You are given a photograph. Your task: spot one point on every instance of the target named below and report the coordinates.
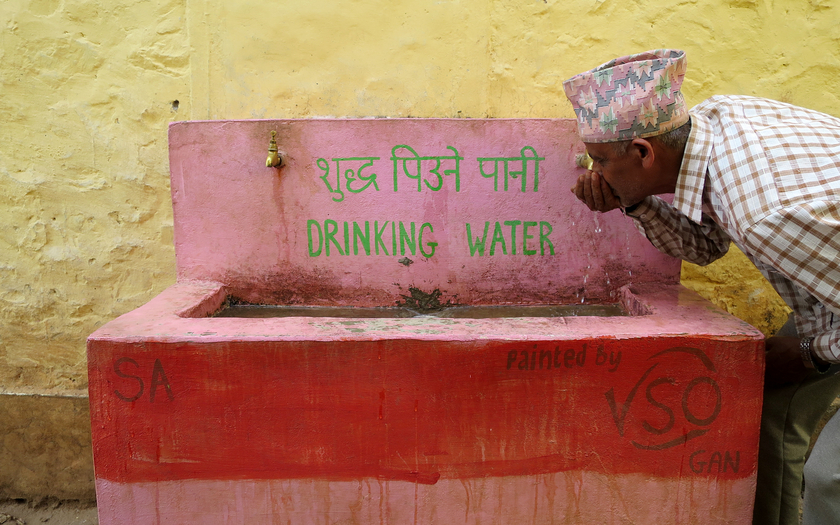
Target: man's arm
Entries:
(818, 327)
(813, 318)
(667, 229)
(673, 233)
(798, 250)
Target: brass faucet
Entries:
(584, 160)
(274, 160)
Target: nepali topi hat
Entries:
(629, 97)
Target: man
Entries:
(759, 173)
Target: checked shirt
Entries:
(766, 176)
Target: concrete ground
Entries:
(19, 512)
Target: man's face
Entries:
(623, 172)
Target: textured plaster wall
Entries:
(85, 97)
(87, 89)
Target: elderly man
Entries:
(766, 176)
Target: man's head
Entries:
(633, 119)
(640, 167)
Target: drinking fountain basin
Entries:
(401, 312)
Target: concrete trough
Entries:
(413, 321)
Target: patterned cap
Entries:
(629, 97)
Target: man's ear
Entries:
(643, 150)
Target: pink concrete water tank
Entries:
(414, 321)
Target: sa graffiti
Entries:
(133, 388)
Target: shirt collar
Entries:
(688, 196)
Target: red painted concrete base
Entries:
(641, 419)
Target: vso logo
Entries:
(675, 400)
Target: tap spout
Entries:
(274, 159)
(584, 160)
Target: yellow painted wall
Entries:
(87, 89)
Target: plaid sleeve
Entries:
(826, 346)
(812, 317)
(673, 233)
(802, 244)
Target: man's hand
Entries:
(594, 191)
(784, 363)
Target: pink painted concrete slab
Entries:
(256, 229)
(647, 417)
